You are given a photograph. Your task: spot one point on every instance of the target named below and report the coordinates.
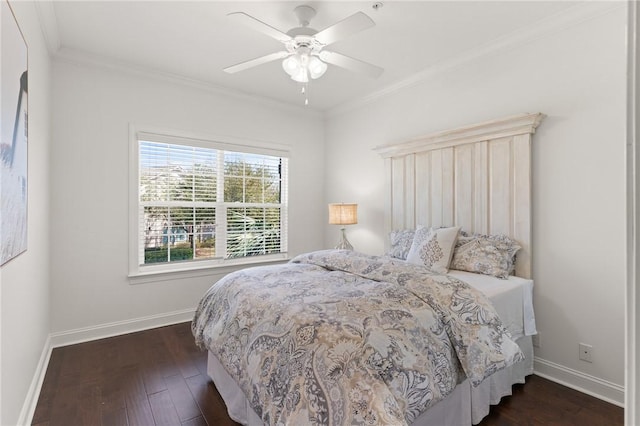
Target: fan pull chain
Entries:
(304, 91)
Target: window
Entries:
(201, 204)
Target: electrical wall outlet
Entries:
(585, 352)
(535, 340)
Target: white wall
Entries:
(93, 107)
(25, 280)
(576, 76)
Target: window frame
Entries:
(169, 270)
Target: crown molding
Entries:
(563, 20)
(560, 21)
(82, 58)
(49, 25)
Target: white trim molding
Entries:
(585, 383)
(117, 328)
(85, 59)
(632, 372)
(49, 25)
(575, 15)
(31, 400)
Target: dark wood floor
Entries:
(158, 377)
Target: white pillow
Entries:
(433, 248)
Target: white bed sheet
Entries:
(512, 298)
(467, 405)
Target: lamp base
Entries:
(344, 244)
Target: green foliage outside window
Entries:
(180, 204)
(252, 231)
(251, 183)
(161, 254)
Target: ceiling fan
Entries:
(304, 56)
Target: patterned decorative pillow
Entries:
(485, 254)
(433, 248)
(401, 241)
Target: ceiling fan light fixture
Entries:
(302, 66)
(291, 65)
(296, 70)
(302, 76)
(316, 67)
(304, 58)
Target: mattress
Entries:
(467, 405)
(512, 298)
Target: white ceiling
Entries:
(197, 40)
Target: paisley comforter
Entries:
(338, 337)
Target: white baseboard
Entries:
(585, 383)
(86, 334)
(31, 400)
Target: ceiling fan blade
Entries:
(257, 61)
(351, 64)
(348, 26)
(258, 25)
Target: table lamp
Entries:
(343, 214)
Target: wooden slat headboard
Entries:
(477, 177)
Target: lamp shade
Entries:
(343, 214)
(316, 67)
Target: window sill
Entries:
(192, 271)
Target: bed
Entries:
(375, 339)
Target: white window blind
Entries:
(206, 204)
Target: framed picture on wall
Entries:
(13, 130)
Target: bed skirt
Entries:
(465, 406)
